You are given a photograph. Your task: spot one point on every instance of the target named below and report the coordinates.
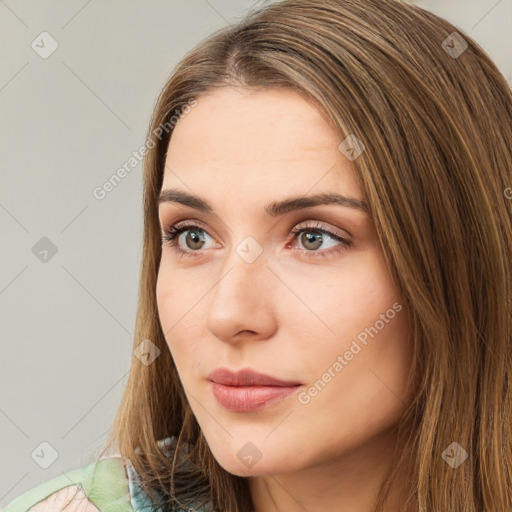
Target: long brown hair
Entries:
(435, 118)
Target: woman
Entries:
(325, 307)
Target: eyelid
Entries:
(317, 225)
(172, 233)
(189, 223)
(309, 224)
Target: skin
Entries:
(291, 312)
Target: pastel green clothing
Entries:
(106, 485)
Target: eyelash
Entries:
(171, 236)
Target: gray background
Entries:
(68, 122)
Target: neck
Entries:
(347, 482)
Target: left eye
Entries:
(311, 237)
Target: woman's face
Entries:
(298, 292)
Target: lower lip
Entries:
(249, 398)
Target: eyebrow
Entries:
(274, 209)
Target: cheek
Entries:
(342, 302)
(178, 293)
(355, 314)
(176, 299)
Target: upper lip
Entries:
(247, 377)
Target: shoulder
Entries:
(106, 485)
(100, 486)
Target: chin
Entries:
(248, 460)
(235, 467)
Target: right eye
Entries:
(194, 239)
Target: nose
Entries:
(241, 305)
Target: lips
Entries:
(247, 377)
(248, 390)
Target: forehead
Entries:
(256, 139)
